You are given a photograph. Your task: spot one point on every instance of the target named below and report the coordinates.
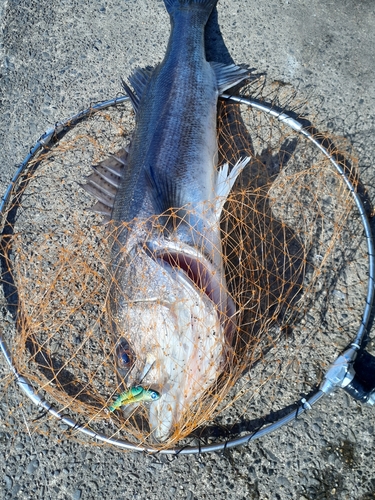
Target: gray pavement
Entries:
(56, 58)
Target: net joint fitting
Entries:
(341, 374)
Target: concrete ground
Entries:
(56, 58)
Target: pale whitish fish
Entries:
(168, 301)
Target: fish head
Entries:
(170, 339)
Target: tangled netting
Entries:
(295, 267)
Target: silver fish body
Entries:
(173, 149)
(168, 299)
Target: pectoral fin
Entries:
(164, 191)
(225, 182)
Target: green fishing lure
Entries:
(136, 394)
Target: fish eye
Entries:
(124, 355)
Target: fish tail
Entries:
(204, 6)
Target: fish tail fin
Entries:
(205, 6)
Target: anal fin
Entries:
(228, 76)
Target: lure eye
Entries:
(154, 395)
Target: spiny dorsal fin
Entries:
(138, 80)
(228, 76)
(105, 180)
(111, 169)
(100, 193)
(101, 209)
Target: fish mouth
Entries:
(201, 271)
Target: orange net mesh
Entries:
(295, 267)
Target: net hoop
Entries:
(304, 404)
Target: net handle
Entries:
(304, 404)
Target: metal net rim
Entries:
(304, 404)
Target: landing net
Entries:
(296, 268)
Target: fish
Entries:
(170, 312)
(133, 395)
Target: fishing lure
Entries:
(136, 394)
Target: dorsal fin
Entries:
(138, 80)
(133, 98)
(101, 209)
(105, 180)
(99, 193)
(111, 169)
